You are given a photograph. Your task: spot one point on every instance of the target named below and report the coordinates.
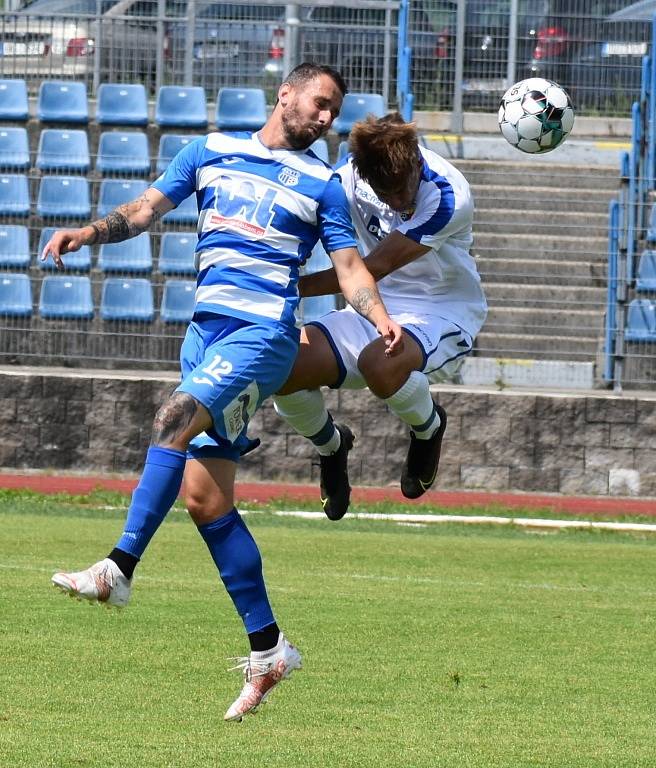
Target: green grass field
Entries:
(454, 646)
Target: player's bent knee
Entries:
(204, 508)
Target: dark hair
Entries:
(308, 71)
(385, 150)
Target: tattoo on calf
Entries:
(173, 418)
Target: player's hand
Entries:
(63, 241)
(392, 333)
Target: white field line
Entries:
(523, 522)
(418, 520)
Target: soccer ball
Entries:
(535, 115)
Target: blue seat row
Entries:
(70, 297)
(641, 321)
(68, 150)
(646, 278)
(68, 197)
(65, 101)
(176, 252)
(237, 109)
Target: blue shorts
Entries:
(231, 366)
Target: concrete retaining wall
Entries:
(580, 443)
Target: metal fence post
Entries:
(292, 22)
(96, 49)
(456, 115)
(159, 60)
(189, 43)
(512, 44)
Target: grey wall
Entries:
(597, 444)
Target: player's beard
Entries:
(297, 132)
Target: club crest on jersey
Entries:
(289, 177)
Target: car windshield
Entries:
(69, 6)
(237, 11)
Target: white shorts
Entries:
(444, 345)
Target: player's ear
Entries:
(283, 94)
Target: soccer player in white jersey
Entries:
(263, 202)
(412, 212)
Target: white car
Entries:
(58, 39)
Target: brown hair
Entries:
(385, 150)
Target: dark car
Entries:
(598, 60)
(231, 43)
(362, 42)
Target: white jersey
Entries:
(444, 281)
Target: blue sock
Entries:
(151, 500)
(237, 557)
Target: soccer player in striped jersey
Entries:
(413, 212)
(263, 202)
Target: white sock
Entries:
(305, 412)
(414, 405)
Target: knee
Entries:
(205, 507)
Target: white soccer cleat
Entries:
(262, 672)
(101, 583)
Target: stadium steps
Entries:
(538, 174)
(550, 247)
(572, 223)
(543, 296)
(541, 247)
(520, 346)
(539, 198)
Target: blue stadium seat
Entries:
(14, 195)
(66, 296)
(79, 261)
(62, 101)
(115, 192)
(133, 255)
(123, 152)
(651, 231)
(64, 197)
(63, 151)
(320, 149)
(342, 150)
(176, 253)
(14, 246)
(13, 100)
(355, 107)
(181, 107)
(14, 149)
(185, 213)
(178, 300)
(240, 109)
(121, 104)
(641, 321)
(169, 146)
(646, 280)
(127, 299)
(15, 295)
(315, 306)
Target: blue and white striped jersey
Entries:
(444, 281)
(261, 211)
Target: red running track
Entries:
(264, 492)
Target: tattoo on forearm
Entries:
(173, 418)
(364, 300)
(117, 226)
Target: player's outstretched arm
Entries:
(126, 221)
(395, 251)
(359, 289)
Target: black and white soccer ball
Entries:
(536, 115)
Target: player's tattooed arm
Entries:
(128, 220)
(363, 300)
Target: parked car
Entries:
(58, 39)
(231, 43)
